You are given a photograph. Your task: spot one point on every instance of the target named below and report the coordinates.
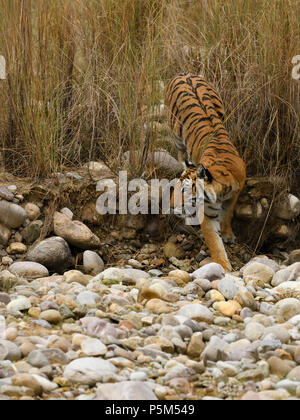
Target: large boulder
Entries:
(54, 253)
(29, 270)
(74, 232)
(12, 215)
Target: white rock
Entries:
(254, 331)
(45, 383)
(93, 347)
(138, 376)
(20, 304)
(67, 212)
(121, 274)
(126, 391)
(89, 370)
(29, 270)
(197, 312)
(280, 277)
(87, 298)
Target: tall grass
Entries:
(83, 77)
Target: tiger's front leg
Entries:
(211, 229)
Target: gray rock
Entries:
(281, 277)
(12, 215)
(209, 272)
(294, 374)
(126, 391)
(87, 298)
(53, 253)
(279, 333)
(4, 298)
(6, 194)
(228, 288)
(240, 350)
(9, 351)
(92, 263)
(204, 284)
(29, 270)
(164, 161)
(32, 232)
(88, 371)
(37, 359)
(254, 331)
(96, 327)
(55, 356)
(215, 350)
(290, 386)
(197, 312)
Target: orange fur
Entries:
(196, 116)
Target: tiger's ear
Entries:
(204, 173)
(189, 164)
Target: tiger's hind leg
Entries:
(226, 219)
(211, 229)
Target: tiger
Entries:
(196, 115)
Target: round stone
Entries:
(92, 263)
(33, 211)
(19, 304)
(29, 270)
(52, 316)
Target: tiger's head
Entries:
(192, 191)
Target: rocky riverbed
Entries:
(151, 325)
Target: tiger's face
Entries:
(193, 190)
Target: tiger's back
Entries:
(196, 117)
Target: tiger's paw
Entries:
(229, 239)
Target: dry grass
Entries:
(83, 77)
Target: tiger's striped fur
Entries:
(196, 116)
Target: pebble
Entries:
(53, 253)
(126, 391)
(29, 270)
(131, 333)
(88, 371)
(93, 263)
(258, 273)
(93, 347)
(19, 304)
(52, 316)
(12, 215)
(228, 288)
(209, 272)
(33, 211)
(229, 308)
(197, 312)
